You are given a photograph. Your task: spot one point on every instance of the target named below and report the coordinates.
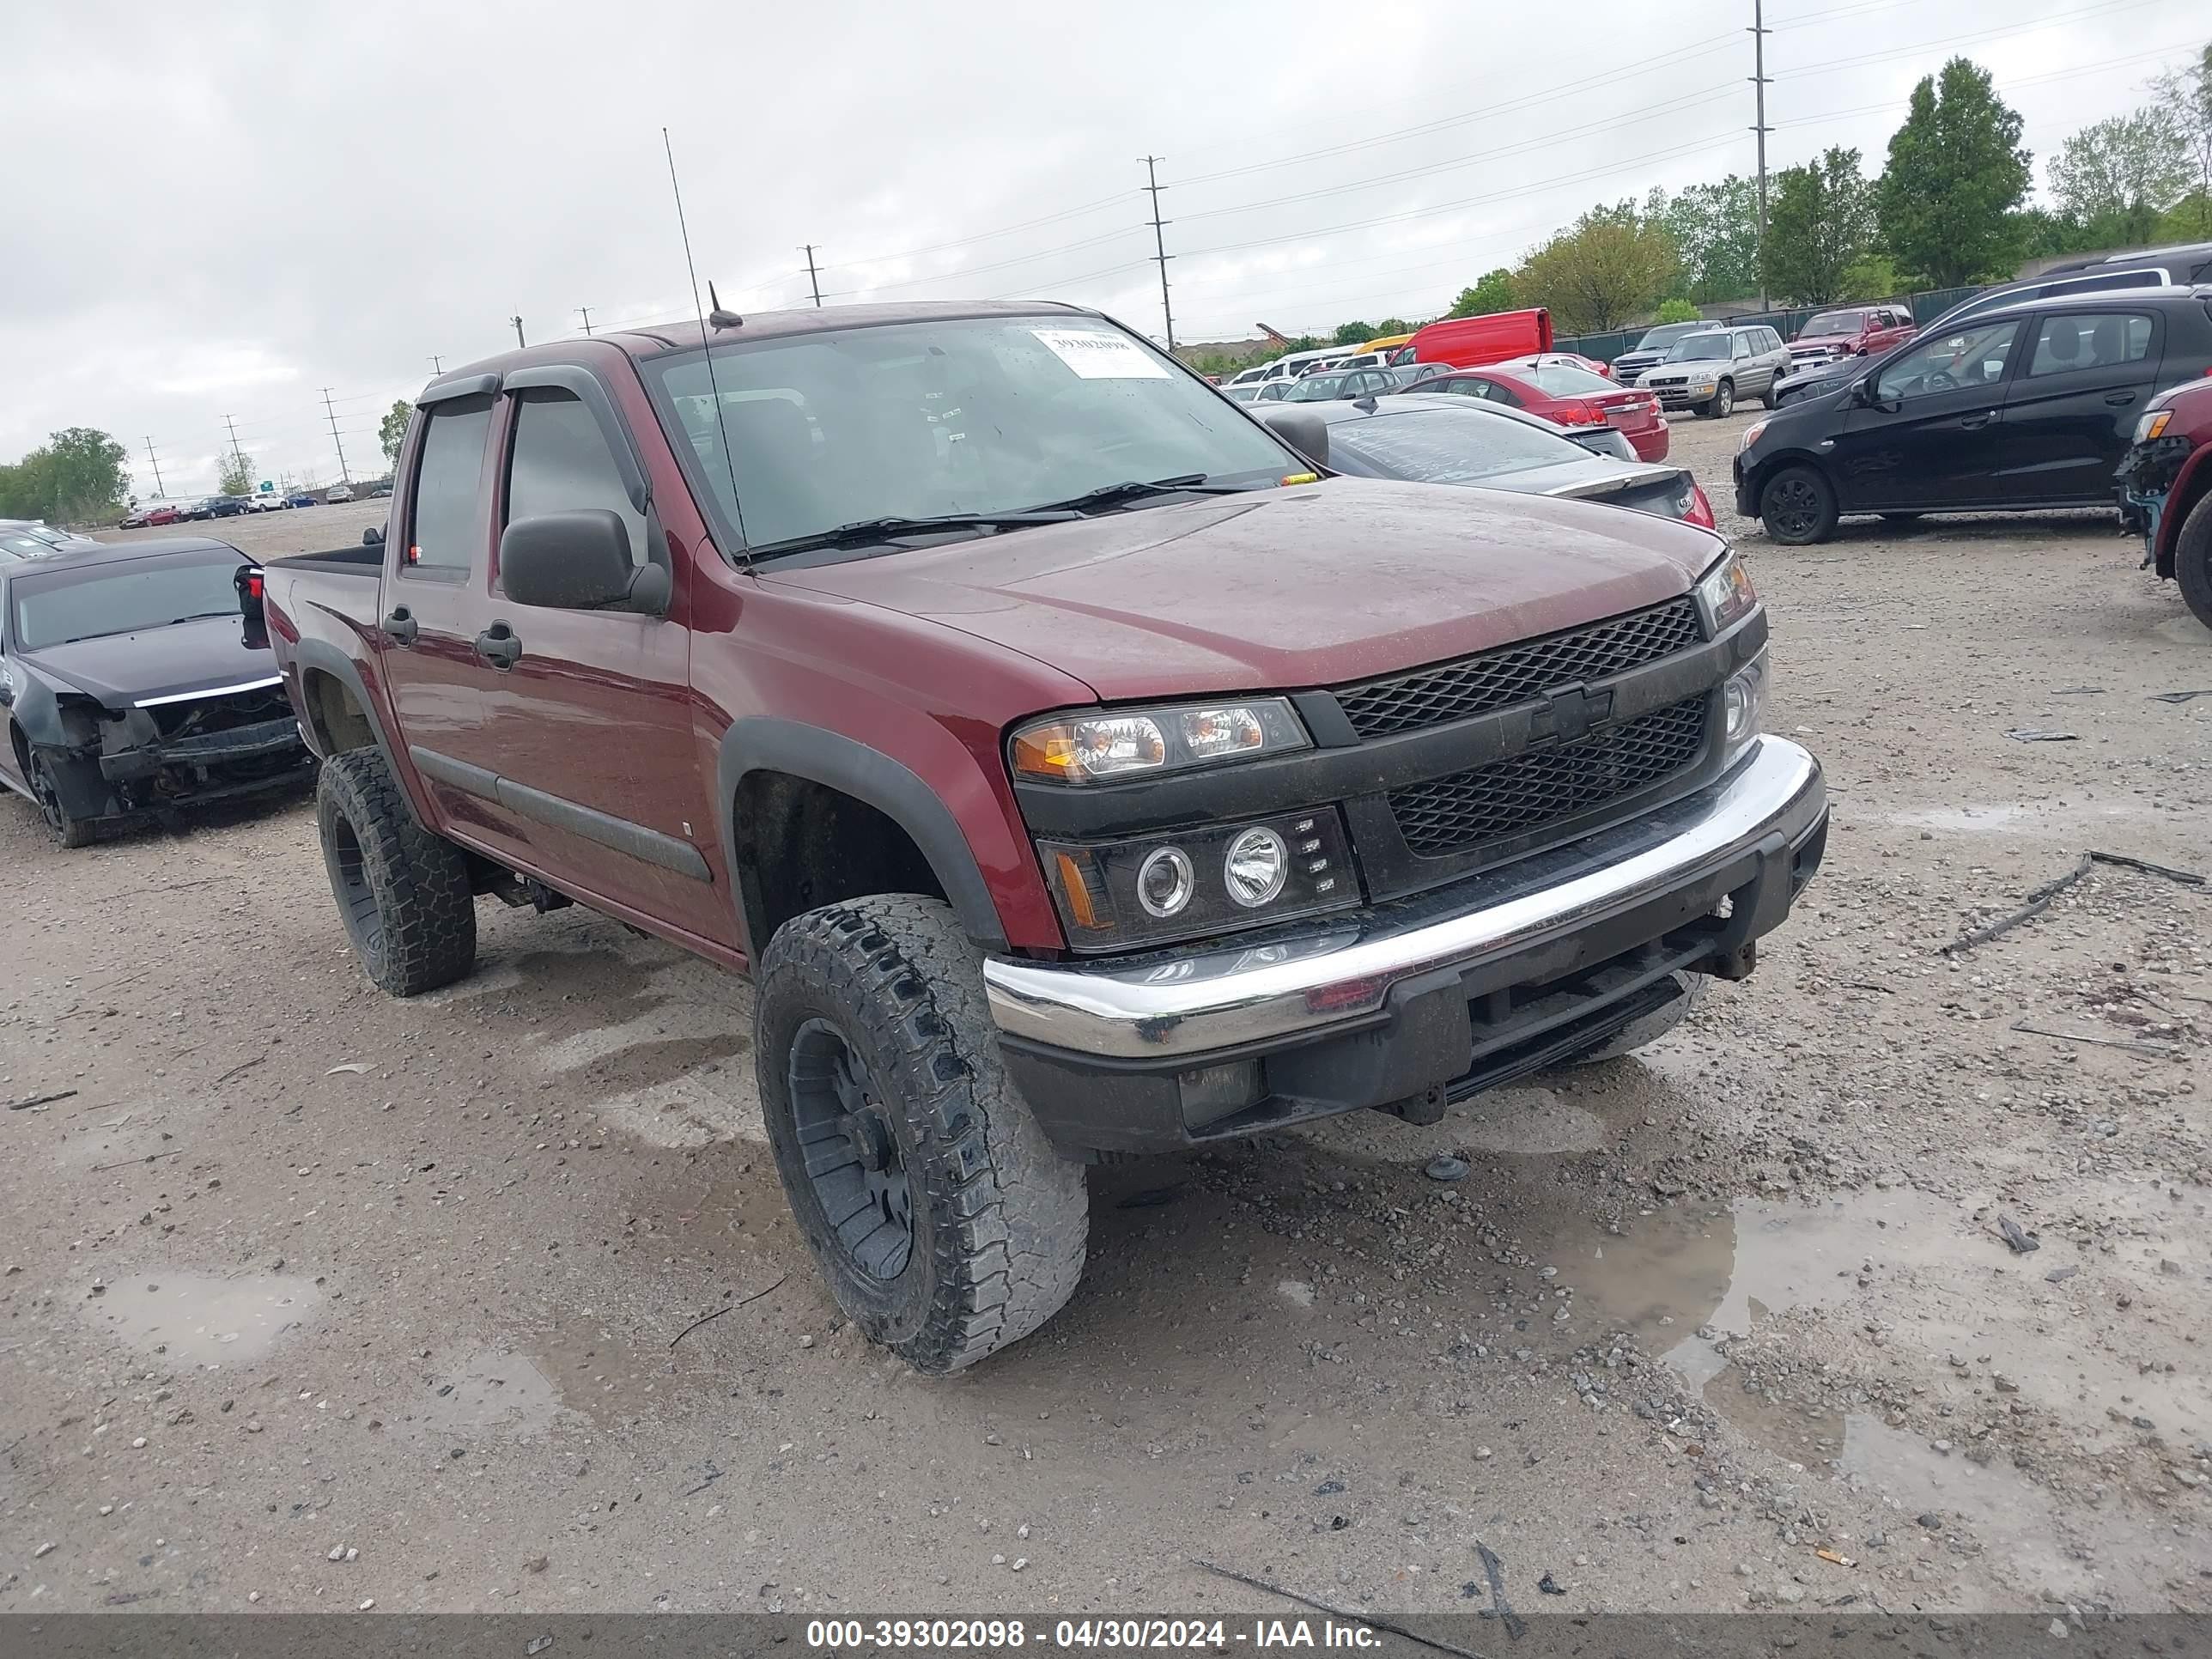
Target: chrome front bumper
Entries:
(1290, 990)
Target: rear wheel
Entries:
(67, 831)
(2192, 560)
(1766, 399)
(1798, 506)
(1723, 402)
(403, 892)
(946, 1223)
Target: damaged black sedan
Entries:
(131, 688)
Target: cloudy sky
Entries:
(224, 210)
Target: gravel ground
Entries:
(314, 1299)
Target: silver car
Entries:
(1712, 371)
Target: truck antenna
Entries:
(706, 339)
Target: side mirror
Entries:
(1301, 429)
(578, 561)
(372, 537)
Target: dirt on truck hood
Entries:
(1313, 585)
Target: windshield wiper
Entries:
(863, 530)
(1188, 483)
(203, 615)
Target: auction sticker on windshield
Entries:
(1099, 355)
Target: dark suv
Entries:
(2027, 407)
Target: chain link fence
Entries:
(1927, 305)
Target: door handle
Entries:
(2119, 399)
(1976, 423)
(498, 645)
(399, 627)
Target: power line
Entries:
(585, 311)
(1160, 247)
(437, 363)
(813, 278)
(159, 488)
(982, 235)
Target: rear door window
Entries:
(446, 519)
(560, 463)
(2067, 343)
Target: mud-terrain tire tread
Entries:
(420, 881)
(1006, 1237)
(2192, 559)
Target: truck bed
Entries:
(365, 560)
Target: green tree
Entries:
(2184, 95)
(1611, 264)
(393, 429)
(2115, 177)
(1819, 221)
(1872, 277)
(1392, 325)
(1353, 334)
(1956, 174)
(1677, 311)
(78, 476)
(1716, 229)
(1495, 292)
(236, 477)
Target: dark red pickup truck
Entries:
(1078, 770)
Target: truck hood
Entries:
(120, 669)
(1313, 585)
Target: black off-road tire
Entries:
(67, 831)
(1723, 402)
(998, 1217)
(1647, 1028)
(2192, 559)
(402, 892)
(1797, 505)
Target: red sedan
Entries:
(1572, 397)
(168, 513)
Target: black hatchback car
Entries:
(2023, 409)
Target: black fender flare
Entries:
(324, 658)
(766, 744)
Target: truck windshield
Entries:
(53, 607)
(1659, 338)
(1833, 322)
(972, 416)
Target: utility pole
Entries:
(157, 465)
(231, 421)
(1160, 247)
(335, 438)
(1758, 81)
(437, 363)
(585, 311)
(518, 340)
(813, 277)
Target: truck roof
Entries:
(642, 345)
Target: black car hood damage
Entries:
(121, 670)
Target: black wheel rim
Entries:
(50, 802)
(356, 899)
(1795, 506)
(853, 1164)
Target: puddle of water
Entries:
(502, 1394)
(201, 1320)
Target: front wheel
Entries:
(1798, 506)
(66, 830)
(1723, 402)
(2192, 560)
(946, 1223)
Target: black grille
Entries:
(1526, 792)
(202, 715)
(1519, 673)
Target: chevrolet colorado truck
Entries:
(1077, 771)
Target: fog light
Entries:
(1744, 699)
(1165, 882)
(1257, 864)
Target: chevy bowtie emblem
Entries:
(1568, 714)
